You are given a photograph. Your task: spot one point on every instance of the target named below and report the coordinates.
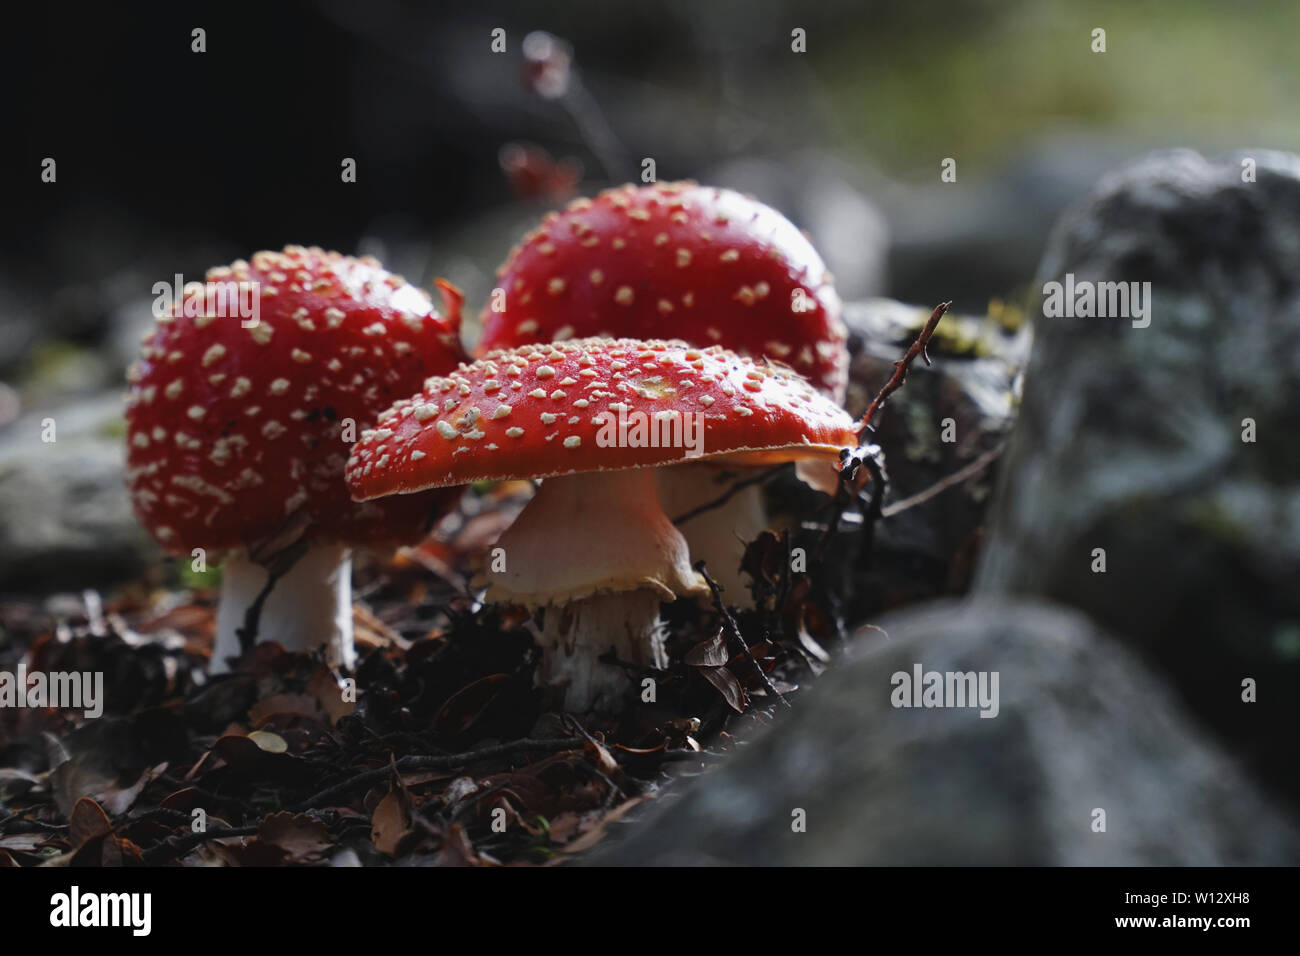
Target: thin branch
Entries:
(171, 848)
(901, 366)
(595, 129)
(16, 823)
(727, 495)
(968, 470)
(733, 629)
(416, 762)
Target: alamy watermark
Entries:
(213, 300)
(77, 909)
(1085, 299)
(922, 688)
(623, 428)
(68, 690)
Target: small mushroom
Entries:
(596, 419)
(678, 260)
(239, 424)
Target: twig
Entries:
(171, 848)
(571, 724)
(553, 74)
(853, 460)
(727, 495)
(968, 470)
(900, 367)
(776, 618)
(850, 489)
(16, 823)
(438, 762)
(595, 129)
(733, 629)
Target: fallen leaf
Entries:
(710, 653)
(302, 838)
(269, 742)
(302, 705)
(15, 782)
(119, 851)
(456, 849)
(726, 685)
(765, 558)
(329, 695)
(390, 825)
(605, 761)
(88, 821)
(596, 833)
(465, 706)
(23, 842)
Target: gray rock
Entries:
(65, 518)
(1131, 440)
(1081, 725)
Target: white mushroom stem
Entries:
(309, 606)
(597, 555)
(717, 536)
(575, 636)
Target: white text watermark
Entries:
(1084, 299)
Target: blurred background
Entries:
(171, 161)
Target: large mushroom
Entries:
(677, 260)
(596, 419)
(239, 426)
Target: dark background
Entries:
(172, 161)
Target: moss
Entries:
(47, 359)
(1210, 518)
(113, 429)
(187, 577)
(960, 339)
(1009, 318)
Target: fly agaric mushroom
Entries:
(238, 424)
(595, 418)
(678, 260)
(702, 264)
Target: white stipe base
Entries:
(575, 636)
(309, 607)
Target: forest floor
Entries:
(442, 753)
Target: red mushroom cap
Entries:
(541, 410)
(674, 260)
(233, 430)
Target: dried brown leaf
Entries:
(88, 820)
(302, 705)
(302, 838)
(726, 685)
(710, 653)
(390, 825)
